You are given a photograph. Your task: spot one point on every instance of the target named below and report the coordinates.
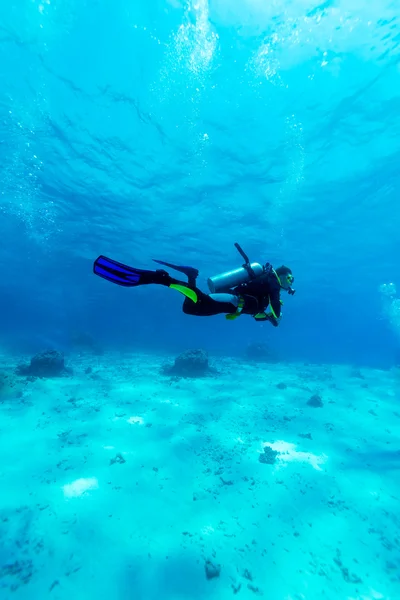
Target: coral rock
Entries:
(192, 363)
(46, 364)
(119, 459)
(315, 401)
(212, 570)
(269, 456)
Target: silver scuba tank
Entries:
(230, 279)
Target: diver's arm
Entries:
(275, 322)
(275, 301)
(272, 293)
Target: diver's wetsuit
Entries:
(257, 294)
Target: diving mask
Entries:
(290, 280)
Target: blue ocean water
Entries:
(172, 129)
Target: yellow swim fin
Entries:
(186, 291)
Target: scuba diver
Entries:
(249, 290)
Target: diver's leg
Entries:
(231, 305)
(227, 298)
(127, 276)
(207, 305)
(196, 301)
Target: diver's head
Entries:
(285, 278)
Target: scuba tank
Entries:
(230, 279)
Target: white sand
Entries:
(79, 487)
(121, 486)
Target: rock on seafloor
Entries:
(46, 364)
(191, 363)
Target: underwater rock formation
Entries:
(119, 459)
(212, 570)
(192, 363)
(46, 364)
(269, 456)
(315, 401)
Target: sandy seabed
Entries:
(279, 481)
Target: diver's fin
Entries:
(130, 277)
(123, 275)
(190, 272)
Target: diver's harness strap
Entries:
(239, 309)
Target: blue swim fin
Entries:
(121, 274)
(131, 277)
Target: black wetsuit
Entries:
(258, 294)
